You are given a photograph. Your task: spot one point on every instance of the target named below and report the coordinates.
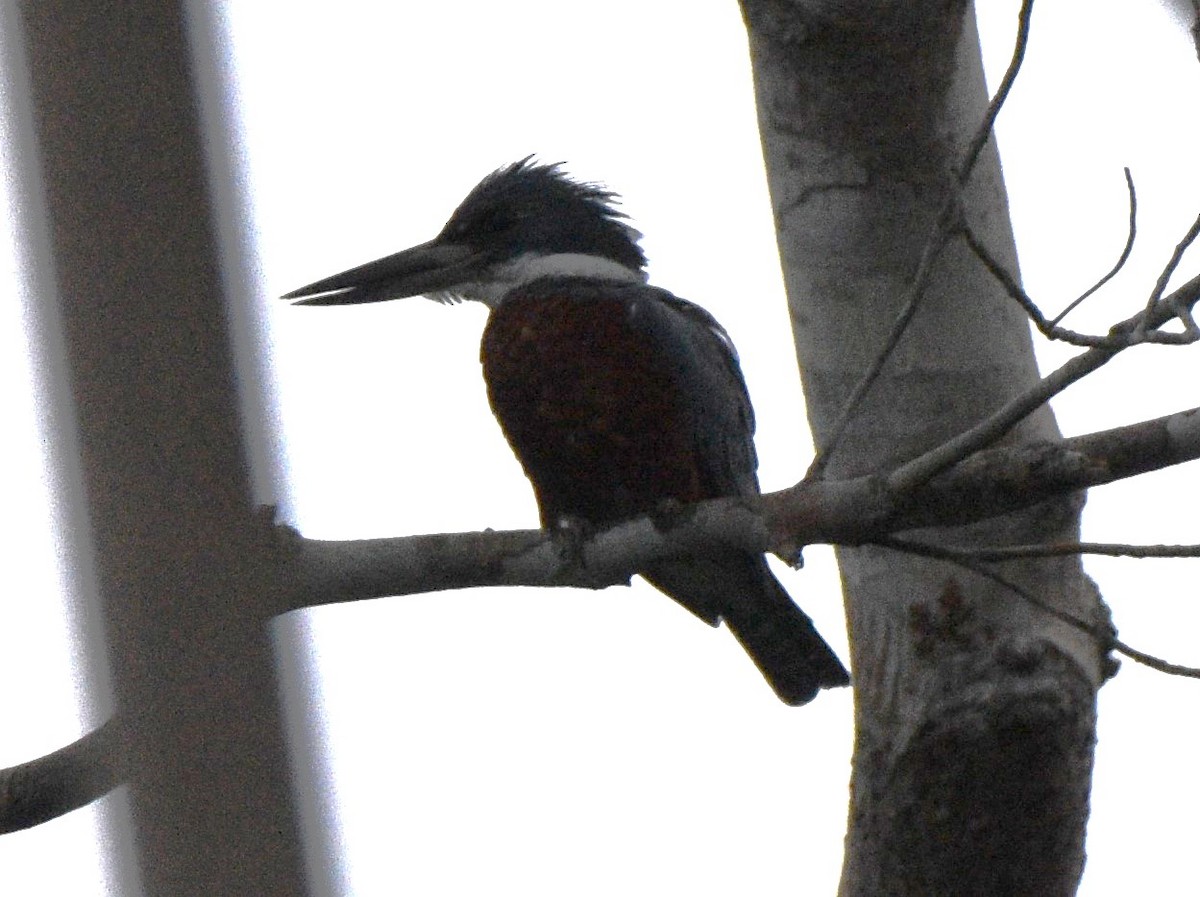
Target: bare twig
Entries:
(943, 227)
(984, 131)
(1121, 336)
(1155, 663)
(1160, 285)
(1049, 329)
(1141, 328)
(1104, 635)
(1125, 253)
(1066, 549)
(933, 248)
(985, 433)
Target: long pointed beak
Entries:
(428, 268)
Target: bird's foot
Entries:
(570, 535)
(669, 513)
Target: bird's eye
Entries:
(496, 221)
(482, 225)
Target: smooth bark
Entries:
(975, 712)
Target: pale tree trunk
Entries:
(180, 566)
(975, 711)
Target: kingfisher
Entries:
(618, 398)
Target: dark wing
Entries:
(726, 584)
(706, 366)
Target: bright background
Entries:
(541, 741)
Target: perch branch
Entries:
(853, 511)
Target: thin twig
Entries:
(1155, 663)
(984, 130)
(1103, 634)
(1114, 339)
(933, 247)
(1018, 294)
(910, 475)
(1117, 338)
(942, 553)
(1066, 549)
(1120, 337)
(943, 225)
(1125, 253)
(1160, 285)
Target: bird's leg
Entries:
(570, 535)
(668, 514)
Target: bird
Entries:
(618, 398)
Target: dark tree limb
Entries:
(70, 778)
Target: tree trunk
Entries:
(184, 568)
(975, 711)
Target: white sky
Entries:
(548, 741)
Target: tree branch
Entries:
(1067, 549)
(70, 778)
(1106, 636)
(854, 511)
(1051, 329)
(1006, 479)
(1121, 260)
(986, 432)
(847, 512)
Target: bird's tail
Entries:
(779, 637)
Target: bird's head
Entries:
(524, 221)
